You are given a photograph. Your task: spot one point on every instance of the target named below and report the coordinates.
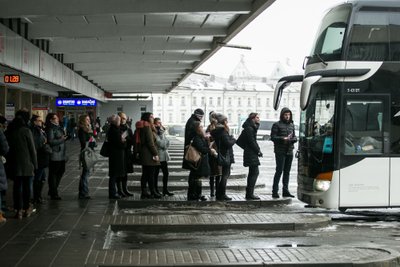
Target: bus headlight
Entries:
(321, 185)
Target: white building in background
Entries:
(243, 92)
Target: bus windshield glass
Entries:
(316, 131)
(330, 37)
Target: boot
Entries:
(119, 189)
(125, 187)
(167, 193)
(250, 194)
(145, 195)
(212, 187)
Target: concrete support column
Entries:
(26, 101)
(3, 100)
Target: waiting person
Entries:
(85, 135)
(98, 126)
(251, 153)
(21, 162)
(216, 171)
(224, 142)
(148, 154)
(190, 131)
(116, 160)
(56, 140)
(200, 143)
(43, 152)
(283, 135)
(162, 146)
(71, 130)
(3, 179)
(127, 133)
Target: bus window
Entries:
(363, 127)
(395, 130)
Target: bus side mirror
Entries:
(306, 89)
(282, 84)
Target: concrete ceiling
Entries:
(137, 46)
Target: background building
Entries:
(243, 92)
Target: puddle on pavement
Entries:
(54, 234)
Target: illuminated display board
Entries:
(11, 78)
(76, 102)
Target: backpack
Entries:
(241, 141)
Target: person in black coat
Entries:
(43, 157)
(283, 135)
(116, 160)
(224, 142)
(190, 131)
(122, 184)
(200, 143)
(21, 162)
(3, 179)
(251, 153)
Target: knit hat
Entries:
(198, 111)
(221, 118)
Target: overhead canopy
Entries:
(134, 45)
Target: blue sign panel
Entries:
(76, 102)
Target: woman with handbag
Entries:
(85, 134)
(162, 145)
(56, 139)
(116, 159)
(216, 171)
(122, 183)
(43, 151)
(202, 170)
(225, 158)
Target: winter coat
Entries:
(148, 148)
(116, 160)
(39, 138)
(201, 145)
(190, 133)
(162, 145)
(224, 142)
(252, 149)
(22, 158)
(55, 138)
(279, 131)
(130, 141)
(216, 170)
(3, 151)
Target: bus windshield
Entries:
(316, 131)
(330, 37)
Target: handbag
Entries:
(222, 160)
(105, 149)
(88, 157)
(192, 156)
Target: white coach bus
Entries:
(349, 140)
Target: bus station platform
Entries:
(74, 232)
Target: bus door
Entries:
(364, 151)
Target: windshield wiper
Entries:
(322, 60)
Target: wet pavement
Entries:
(175, 232)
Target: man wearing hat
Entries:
(190, 132)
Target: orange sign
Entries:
(11, 78)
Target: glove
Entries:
(260, 154)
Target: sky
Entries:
(284, 31)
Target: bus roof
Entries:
(375, 3)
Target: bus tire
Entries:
(342, 210)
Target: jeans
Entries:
(221, 186)
(147, 178)
(252, 177)
(164, 169)
(22, 192)
(283, 164)
(56, 171)
(84, 183)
